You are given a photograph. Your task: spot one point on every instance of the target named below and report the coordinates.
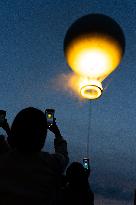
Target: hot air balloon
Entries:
(94, 46)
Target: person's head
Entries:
(75, 173)
(28, 130)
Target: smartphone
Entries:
(50, 116)
(86, 163)
(2, 116)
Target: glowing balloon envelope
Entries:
(94, 46)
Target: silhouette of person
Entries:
(77, 190)
(27, 174)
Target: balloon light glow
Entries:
(93, 59)
(93, 56)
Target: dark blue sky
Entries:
(31, 61)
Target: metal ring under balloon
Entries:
(91, 92)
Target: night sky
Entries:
(34, 72)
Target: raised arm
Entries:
(60, 146)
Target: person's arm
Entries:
(60, 146)
(6, 127)
(4, 147)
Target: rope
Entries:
(89, 128)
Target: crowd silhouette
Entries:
(29, 175)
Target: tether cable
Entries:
(89, 128)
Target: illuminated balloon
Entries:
(94, 46)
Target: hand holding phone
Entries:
(2, 117)
(86, 163)
(52, 123)
(3, 122)
(50, 116)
